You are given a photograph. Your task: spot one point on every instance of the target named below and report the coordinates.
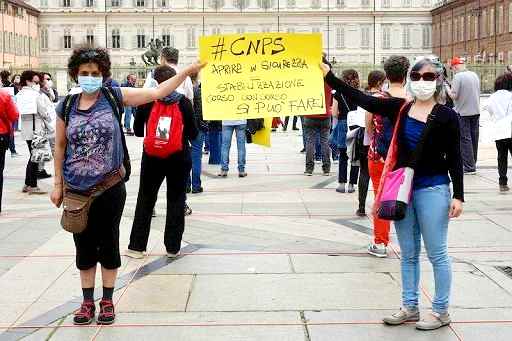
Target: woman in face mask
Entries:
(35, 117)
(431, 206)
(90, 154)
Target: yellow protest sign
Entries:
(259, 75)
(262, 137)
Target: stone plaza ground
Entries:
(274, 256)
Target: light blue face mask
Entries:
(90, 84)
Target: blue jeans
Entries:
(427, 216)
(128, 113)
(214, 144)
(196, 154)
(227, 134)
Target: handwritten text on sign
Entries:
(261, 75)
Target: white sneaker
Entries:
(173, 255)
(378, 250)
(134, 254)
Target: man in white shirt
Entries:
(170, 56)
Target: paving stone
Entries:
(292, 292)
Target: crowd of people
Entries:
(407, 117)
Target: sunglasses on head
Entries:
(427, 76)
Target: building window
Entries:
(216, 31)
(386, 36)
(467, 30)
(190, 4)
(44, 38)
(240, 30)
(141, 39)
(365, 36)
(340, 3)
(491, 22)
(89, 38)
(44, 3)
(167, 38)
(427, 3)
(340, 37)
(67, 39)
(290, 30)
(265, 4)
(386, 3)
(191, 38)
(406, 36)
(462, 29)
(365, 3)
(66, 3)
(510, 18)
(476, 32)
(216, 4)
(291, 3)
(500, 19)
(483, 24)
(427, 36)
(89, 3)
(315, 4)
(162, 3)
(116, 39)
(140, 3)
(116, 3)
(406, 3)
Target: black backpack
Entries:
(118, 109)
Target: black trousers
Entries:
(32, 168)
(2, 166)
(364, 178)
(504, 147)
(174, 170)
(469, 134)
(287, 120)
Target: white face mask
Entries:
(423, 90)
(49, 83)
(36, 87)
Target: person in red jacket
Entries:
(8, 115)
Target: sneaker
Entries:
(434, 321)
(242, 174)
(85, 315)
(401, 317)
(302, 151)
(36, 190)
(43, 175)
(172, 254)
(188, 210)
(351, 188)
(153, 215)
(223, 173)
(129, 132)
(308, 173)
(318, 161)
(197, 190)
(361, 212)
(341, 188)
(504, 188)
(470, 173)
(26, 189)
(327, 173)
(134, 254)
(206, 152)
(107, 314)
(378, 250)
(295, 128)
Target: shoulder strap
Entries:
(68, 104)
(421, 143)
(114, 101)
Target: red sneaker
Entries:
(85, 315)
(107, 314)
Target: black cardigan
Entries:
(441, 154)
(189, 130)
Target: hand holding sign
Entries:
(261, 75)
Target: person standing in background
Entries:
(8, 115)
(49, 88)
(465, 92)
(131, 81)
(194, 182)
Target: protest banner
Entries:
(261, 75)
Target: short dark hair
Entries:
(375, 78)
(14, 76)
(503, 82)
(163, 73)
(47, 74)
(85, 55)
(351, 77)
(4, 75)
(396, 68)
(170, 54)
(27, 76)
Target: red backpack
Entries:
(164, 130)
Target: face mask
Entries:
(36, 87)
(90, 84)
(49, 83)
(423, 90)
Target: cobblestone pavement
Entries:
(274, 256)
